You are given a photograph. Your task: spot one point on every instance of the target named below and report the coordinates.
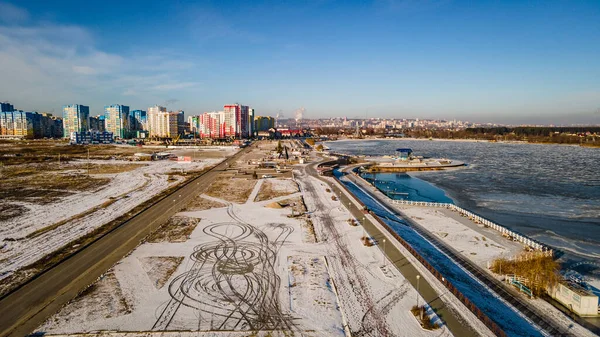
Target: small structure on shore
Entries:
(404, 154)
(405, 160)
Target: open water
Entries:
(548, 192)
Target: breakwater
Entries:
(481, 220)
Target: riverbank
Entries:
(550, 193)
(465, 140)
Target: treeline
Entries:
(586, 136)
(535, 131)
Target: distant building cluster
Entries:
(234, 121)
(380, 123)
(22, 124)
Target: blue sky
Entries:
(498, 61)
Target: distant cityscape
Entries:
(235, 121)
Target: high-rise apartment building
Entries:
(97, 123)
(16, 124)
(165, 124)
(21, 124)
(139, 120)
(6, 107)
(75, 118)
(116, 119)
(237, 120)
(231, 120)
(264, 123)
(251, 130)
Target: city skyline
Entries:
(508, 63)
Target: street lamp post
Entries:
(418, 277)
(384, 263)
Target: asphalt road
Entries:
(453, 320)
(26, 308)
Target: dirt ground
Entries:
(177, 229)
(9, 211)
(160, 268)
(271, 189)
(200, 204)
(43, 184)
(231, 189)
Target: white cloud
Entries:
(84, 70)
(51, 64)
(12, 14)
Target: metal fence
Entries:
(536, 245)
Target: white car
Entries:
(265, 176)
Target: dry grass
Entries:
(24, 152)
(541, 272)
(9, 211)
(425, 322)
(200, 204)
(297, 204)
(177, 229)
(270, 190)
(231, 189)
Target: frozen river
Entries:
(549, 192)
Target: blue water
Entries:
(401, 186)
(509, 320)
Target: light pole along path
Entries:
(455, 323)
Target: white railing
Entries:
(478, 219)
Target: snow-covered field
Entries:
(246, 268)
(479, 246)
(82, 212)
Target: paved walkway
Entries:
(452, 319)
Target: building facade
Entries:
(251, 131)
(264, 123)
(75, 119)
(6, 107)
(139, 120)
(117, 121)
(92, 137)
(163, 124)
(97, 123)
(21, 124)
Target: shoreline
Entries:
(461, 141)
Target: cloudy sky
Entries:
(497, 61)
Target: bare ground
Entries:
(44, 183)
(200, 204)
(271, 189)
(160, 268)
(231, 189)
(9, 211)
(177, 229)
